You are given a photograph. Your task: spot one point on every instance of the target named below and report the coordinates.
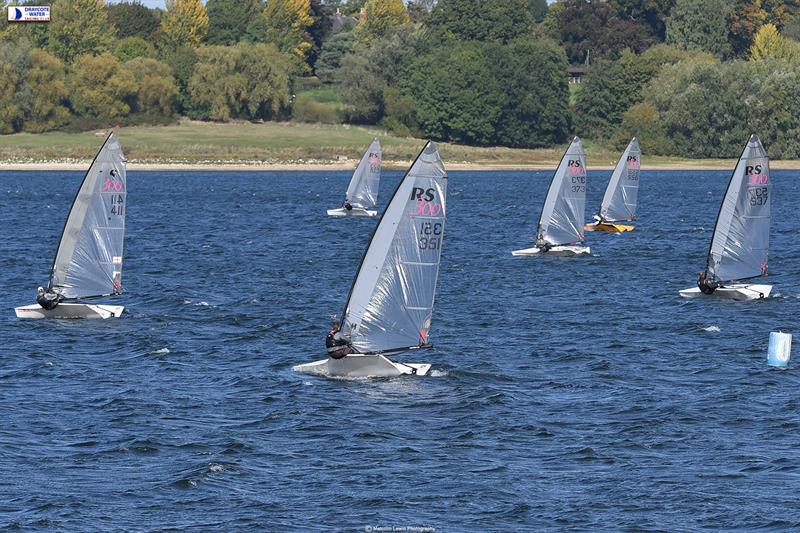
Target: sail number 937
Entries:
(758, 195)
(430, 235)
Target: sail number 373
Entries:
(430, 235)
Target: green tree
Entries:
(132, 19)
(14, 97)
(644, 122)
(244, 81)
(46, 83)
(458, 96)
(651, 14)
(228, 19)
(530, 118)
(700, 25)
(79, 27)
(330, 57)
(380, 16)
(489, 20)
(361, 88)
(184, 23)
(538, 9)
(182, 61)
(155, 91)
(611, 87)
(131, 47)
(99, 87)
(591, 30)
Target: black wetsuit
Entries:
(348, 206)
(707, 287)
(49, 300)
(545, 247)
(337, 347)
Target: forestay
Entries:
(561, 221)
(89, 257)
(740, 244)
(363, 189)
(620, 198)
(391, 301)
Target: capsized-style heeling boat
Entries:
(740, 245)
(390, 304)
(618, 207)
(88, 260)
(560, 228)
(361, 197)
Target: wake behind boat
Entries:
(619, 201)
(389, 308)
(361, 198)
(740, 244)
(560, 228)
(88, 261)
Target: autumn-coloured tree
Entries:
(185, 23)
(286, 24)
(379, 17)
(79, 27)
(99, 87)
(46, 83)
(770, 44)
(155, 89)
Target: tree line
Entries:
(689, 77)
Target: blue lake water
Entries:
(567, 393)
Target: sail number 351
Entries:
(430, 235)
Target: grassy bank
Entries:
(190, 142)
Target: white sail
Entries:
(88, 261)
(561, 221)
(391, 301)
(621, 196)
(740, 244)
(363, 189)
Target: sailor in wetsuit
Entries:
(336, 345)
(706, 286)
(49, 300)
(348, 205)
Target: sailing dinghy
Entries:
(88, 261)
(362, 193)
(560, 230)
(740, 244)
(620, 199)
(389, 308)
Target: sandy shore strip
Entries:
(350, 165)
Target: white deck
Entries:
(739, 291)
(355, 212)
(561, 250)
(362, 366)
(68, 310)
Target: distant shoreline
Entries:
(344, 166)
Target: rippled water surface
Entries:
(567, 393)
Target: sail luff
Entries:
(88, 258)
(71, 208)
(740, 242)
(561, 219)
(620, 197)
(362, 191)
(390, 303)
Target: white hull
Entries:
(362, 366)
(355, 212)
(561, 250)
(67, 310)
(740, 291)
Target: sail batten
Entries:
(362, 191)
(740, 245)
(561, 220)
(390, 303)
(88, 260)
(621, 195)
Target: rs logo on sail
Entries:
(417, 192)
